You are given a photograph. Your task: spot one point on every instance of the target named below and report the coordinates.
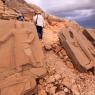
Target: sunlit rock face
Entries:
(5, 12)
(15, 6)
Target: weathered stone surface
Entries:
(90, 35)
(7, 47)
(17, 84)
(74, 44)
(13, 42)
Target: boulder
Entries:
(73, 42)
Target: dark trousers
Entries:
(40, 31)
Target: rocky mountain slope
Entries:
(10, 8)
(20, 6)
(62, 78)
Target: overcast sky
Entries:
(82, 11)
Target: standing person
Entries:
(39, 22)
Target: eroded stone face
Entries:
(21, 55)
(19, 43)
(19, 47)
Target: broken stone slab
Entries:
(90, 35)
(85, 45)
(17, 84)
(88, 49)
(67, 82)
(73, 44)
(69, 50)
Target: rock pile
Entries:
(57, 84)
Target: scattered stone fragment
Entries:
(42, 92)
(60, 55)
(57, 76)
(65, 58)
(67, 82)
(60, 93)
(51, 79)
(51, 71)
(56, 48)
(52, 90)
(66, 90)
(69, 64)
(75, 89)
(47, 47)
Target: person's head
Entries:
(38, 13)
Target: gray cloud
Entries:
(63, 4)
(82, 11)
(66, 5)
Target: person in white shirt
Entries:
(39, 22)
